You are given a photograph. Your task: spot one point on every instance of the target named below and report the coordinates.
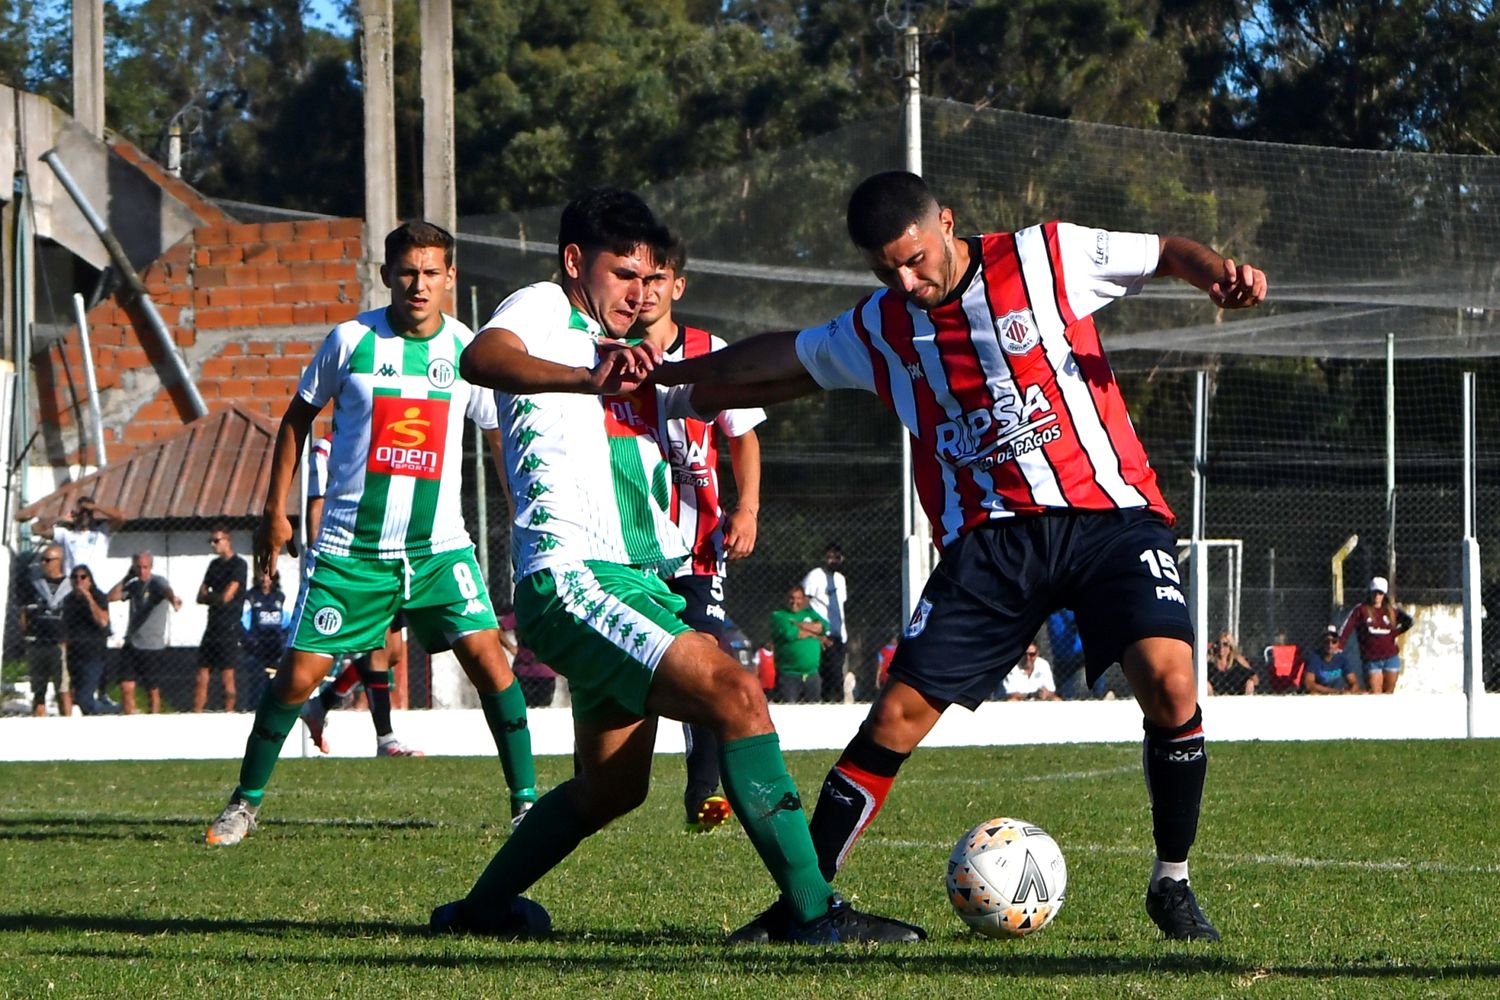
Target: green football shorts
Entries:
(348, 602)
(604, 627)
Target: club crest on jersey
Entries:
(1017, 332)
(328, 620)
(918, 621)
(441, 373)
(407, 436)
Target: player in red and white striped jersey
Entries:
(692, 449)
(1039, 492)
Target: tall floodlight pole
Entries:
(380, 134)
(439, 188)
(88, 65)
(1390, 458)
(916, 549)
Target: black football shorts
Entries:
(996, 585)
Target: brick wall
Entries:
(247, 304)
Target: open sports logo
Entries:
(407, 436)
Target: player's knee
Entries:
(738, 704)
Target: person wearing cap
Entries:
(1325, 668)
(1376, 623)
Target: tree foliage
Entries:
(553, 95)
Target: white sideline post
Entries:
(1473, 640)
(1198, 566)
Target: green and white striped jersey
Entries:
(395, 467)
(587, 475)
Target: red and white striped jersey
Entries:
(1004, 388)
(692, 449)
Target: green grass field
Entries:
(1333, 870)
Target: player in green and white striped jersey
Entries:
(392, 537)
(592, 537)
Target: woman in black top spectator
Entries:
(1229, 672)
(85, 619)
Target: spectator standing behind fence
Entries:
(150, 595)
(223, 590)
(828, 593)
(1067, 654)
(1229, 672)
(42, 625)
(84, 536)
(1030, 680)
(799, 636)
(1325, 668)
(1376, 623)
(85, 619)
(266, 621)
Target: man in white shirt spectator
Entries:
(84, 537)
(828, 593)
(1030, 680)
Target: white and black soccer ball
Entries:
(1007, 878)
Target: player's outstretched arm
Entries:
(274, 530)
(498, 359)
(1229, 285)
(766, 357)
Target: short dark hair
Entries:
(885, 204)
(417, 233)
(613, 219)
(674, 254)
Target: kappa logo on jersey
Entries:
(441, 373)
(918, 619)
(328, 620)
(474, 607)
(914, 371)
(408, 436)
(1017, 332)
(387, 371)
(1006, 427)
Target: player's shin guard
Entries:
(505, 713)
(1176, 764)
(273, 721)
(766, 801)
(852, 795)
(702, 767)
(553, 828)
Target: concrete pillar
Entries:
(439, 189)
(380, 138)
(88, 65)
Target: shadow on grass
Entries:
(107, 827)
(682, 951)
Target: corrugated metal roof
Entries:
(216, 466)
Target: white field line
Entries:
(1225, 857)
(1105, 772)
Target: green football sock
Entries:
(505, 713)
(766, 801)
(551, 831)
(273, 721)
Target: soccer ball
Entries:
(1007, 878)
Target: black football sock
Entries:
(378, 693)
(1176, 763)
(852, 795)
